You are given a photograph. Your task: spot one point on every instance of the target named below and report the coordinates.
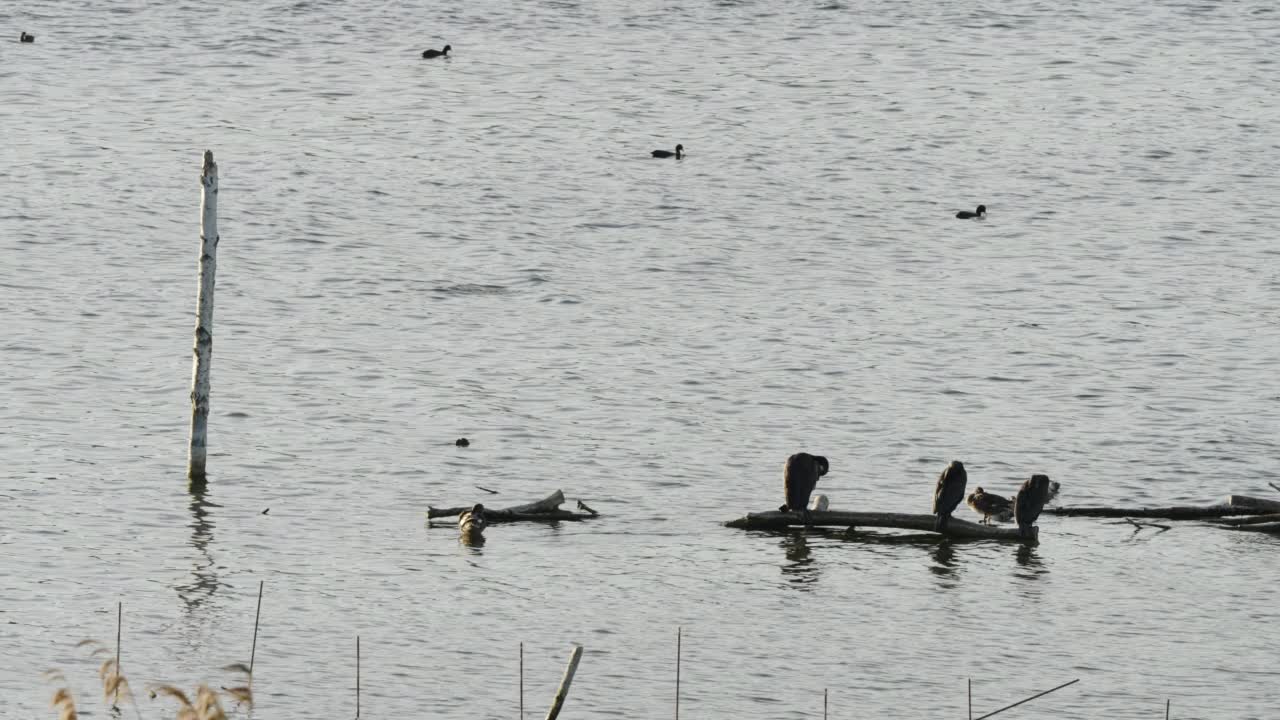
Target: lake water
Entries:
(414, 251)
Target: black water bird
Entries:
(462, 442)
(980, 213)
(948, 494)
(473, 522)
(24, 37)
(799, 478)
(437, 53)
(1028, 503)
(679, 153)
(990, 505)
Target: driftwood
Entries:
(1250, 520)
(1235, 505)
(1270, 527)
(956, 528)
(545, 510)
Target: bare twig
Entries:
(1033, 697)
(583, 507)
(1137, 526)
(1274, 486)
(491, 492)
(253, 651)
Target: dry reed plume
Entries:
(207, 705)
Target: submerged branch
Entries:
(957, 528)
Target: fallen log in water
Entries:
(957, 528)
(544, 510)
(1235, 505)
(1250, 520)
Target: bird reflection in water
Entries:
(204, 583)
(1030, 565)
(800, 569)
(944, 560)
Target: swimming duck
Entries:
(981, 212)
(437, 53)
(679, 153)
(462, 442)
(24, 37)
(990, 505)
(473, 522)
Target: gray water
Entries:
(413, 251)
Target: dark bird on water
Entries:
(799, 478)
(473, 522)
(437, 53)
(981, 212)
(462, 442)
(24, 37)
(948, 494)
(679, 153)
(990, 505)
(1029, 501)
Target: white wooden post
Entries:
(204, 318)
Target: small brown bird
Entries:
(473, 522)
(990, 505)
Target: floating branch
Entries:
(1166, 513)
(545, 510)
(1250, 520)
(1137, 526)
(956, 528)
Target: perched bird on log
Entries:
(679, 153)
(799, 478)
(949, 493)
(473, 522)
(990, 505)
(437, 53)
(1029, 501)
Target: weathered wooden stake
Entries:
(357, 676)
(679, 634)
(254, 650)
(565, 681)
(204, 319)
(119, 624)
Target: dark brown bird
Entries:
(24, 37)
(990, 505)
(1029, 501)
(948, 494)
(979, 214)
(437, 53)
(799, 478)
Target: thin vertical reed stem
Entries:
(357, 676)
(970, 698)
(679, 638)
(119, 624)
(1166, 710)
(253, 651)
(521, 681)
(824, 704)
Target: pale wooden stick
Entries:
(565, 681)
(198, 444)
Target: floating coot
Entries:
(981, 212)
(437, 53)
(679, 153)
(26, 38)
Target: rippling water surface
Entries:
(414, 251)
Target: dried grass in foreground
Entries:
(207, 704)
